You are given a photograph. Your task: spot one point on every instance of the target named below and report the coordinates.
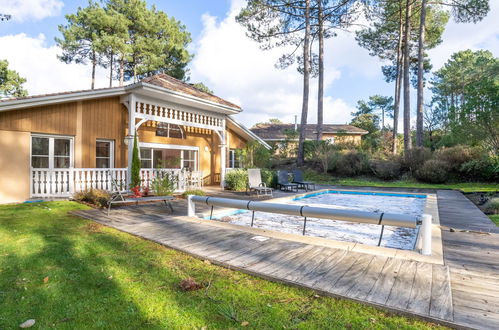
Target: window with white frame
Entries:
(51, 152)
(170, 130)
(169, 158)
(104, 154)
(234, 158)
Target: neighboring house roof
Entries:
(277, 132)
(243, 130)
(158, 83)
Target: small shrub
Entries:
(415, 158)
(486, 169)
(351, 163)
(269, 177)
(95, 197)
(386, 169)
(236, 180)
(492, 206)
(195, 192)
(164, 184)
(456, 156)
(433, 171)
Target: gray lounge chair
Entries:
(283, 182)
(255, 183)
(302, 184)
(117, 197)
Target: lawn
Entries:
(67, 272)
(495, 219)
(466, 187)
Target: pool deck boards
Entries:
(462, 292)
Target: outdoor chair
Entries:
(118, 197)
(283, 182)
(255, 183)
(302, 184)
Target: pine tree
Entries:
(135, 175)
(10, 82)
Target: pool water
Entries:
(393, 237)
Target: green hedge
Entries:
(237, 179)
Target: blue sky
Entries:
(225, 59)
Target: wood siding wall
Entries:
(53, 119)
(107, 118)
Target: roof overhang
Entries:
(245, 132)
(139, 88)
(29, 102)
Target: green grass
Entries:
(99, 277)
(495, 218)
(466, 187)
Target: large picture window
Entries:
(51, 152)
(168, 158)
(104, 154)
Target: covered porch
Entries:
(189, 143)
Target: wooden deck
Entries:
(471, 251)
(463, 292)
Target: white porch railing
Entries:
(66, 182)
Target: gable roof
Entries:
(161, 82)
(278, 131)
(168, 82)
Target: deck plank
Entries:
(381, 290)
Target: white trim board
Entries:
(167, 146)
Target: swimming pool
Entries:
(393, 237)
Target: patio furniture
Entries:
(255, 183)
(117, 197)
(283, 182)
(302, 184)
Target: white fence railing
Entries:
(66, 182)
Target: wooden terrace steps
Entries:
(400, 285)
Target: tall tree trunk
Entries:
(320, 96)
(398, 83)
(94, 64)
(111, 70)
(306, 82)
(420, 101)
(122, 71)
(407, 85)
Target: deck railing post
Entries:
(426, 235)
(191, 207)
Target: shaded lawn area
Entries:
(466, 187)
(98, 277)
(495, 219)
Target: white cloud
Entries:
(459, 36)
(235, 68)
(38, 63)
(22, 10)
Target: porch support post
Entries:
(223, 152)
(131, 133)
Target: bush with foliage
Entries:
(433, 171)
(326, 154)
(236, 179)
(457, 155)
(96, 197)
(135, 171)
(386, 169)
(492, 206)
(486, 168)
(352, 163)
(196, 192)
(164, 184)
(269, 177)
(255, 155)
(415, 158)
